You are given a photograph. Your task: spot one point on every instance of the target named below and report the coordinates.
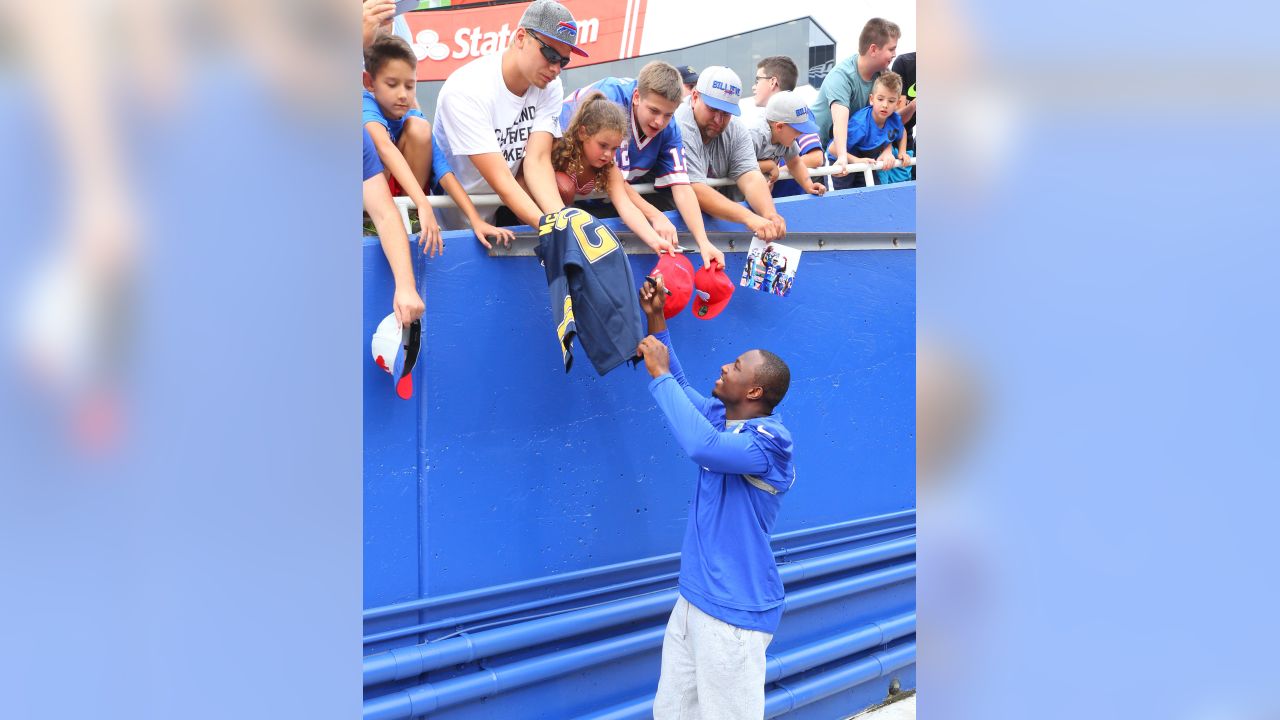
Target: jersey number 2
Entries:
(577, 218)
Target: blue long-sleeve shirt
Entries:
(727, 568)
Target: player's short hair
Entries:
(774, 377)
(661, 78)
(890, 81)
(781, 67)
(384, 49)
(878, 32)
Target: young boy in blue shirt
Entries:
(406, 146)
(875, 130)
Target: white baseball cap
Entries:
(395, 349)
(787, 107)
(720, 88)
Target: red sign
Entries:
(445, 40)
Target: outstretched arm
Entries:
(495, 172)
(653, 295)
(724, 452)
(406, 303)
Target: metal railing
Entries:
(403, 203)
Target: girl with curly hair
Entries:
(583, 160)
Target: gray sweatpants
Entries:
(711, 670)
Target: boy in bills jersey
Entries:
(652, 151)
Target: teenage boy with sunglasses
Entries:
(499, 111)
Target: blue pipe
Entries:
(412, 661)
(481, 616)
(475, 686)
(848, 586)
(794, 661)
(524, 585)
(430, 697)
(521, 607)
(810, 690)
(807, 657)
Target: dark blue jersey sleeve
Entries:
(725, 452)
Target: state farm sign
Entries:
(445, 40)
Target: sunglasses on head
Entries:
(549, 52)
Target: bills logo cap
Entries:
(720, 88)
(553, 21)
(787, 107)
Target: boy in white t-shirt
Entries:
(499, 112)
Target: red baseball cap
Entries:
(677, 278)
(714, 289)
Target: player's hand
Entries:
(500, 235)
(772, 177)
(653, 296)
(711, 254)
(817, 188)
(656, 359)
(407, 305)
(763, 228)
(429, 240)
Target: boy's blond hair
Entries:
(890, 81)
(660, 78)
(878, 32)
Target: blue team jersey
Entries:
(593, 294)
(727, 568)
(372, 163)
(866, 137)
(661, 156)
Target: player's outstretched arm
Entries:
(725, 452)
(652, 298)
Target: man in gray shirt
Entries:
(718, 145)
